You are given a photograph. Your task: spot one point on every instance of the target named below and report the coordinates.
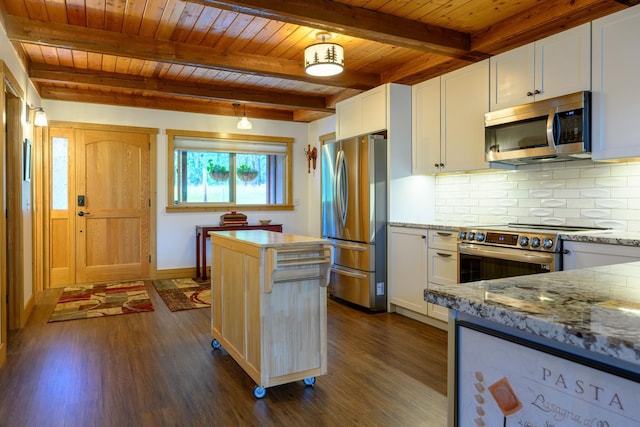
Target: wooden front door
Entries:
(104, 232)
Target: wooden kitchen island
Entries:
(553, 349)
(269, 304)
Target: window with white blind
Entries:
(219, 171)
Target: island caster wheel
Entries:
(215, 344)
(259, 392)
(310, 381)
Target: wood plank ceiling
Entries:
(205, 55)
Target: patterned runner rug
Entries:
(184, 294)
(108, 299)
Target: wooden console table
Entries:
(202, 232)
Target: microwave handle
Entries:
(551, 120)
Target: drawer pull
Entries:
(443, 254)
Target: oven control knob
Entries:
(471, 235)
(547, 243)
(535, 242)
(462, 235)
(480, 237)
(524, 241)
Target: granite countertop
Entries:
(595, 309)
(611, 237)
(442, 227)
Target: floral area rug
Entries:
(108, 299)
(184, 294)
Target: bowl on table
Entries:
(264, 221)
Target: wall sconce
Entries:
(39, 116)
(311, 155)
(244, 122)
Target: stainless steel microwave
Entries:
(555, 129)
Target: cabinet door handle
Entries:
(441, 165)
(423, 236)
(442, 233)
(535, 92)
(443, 254)
(435, 164)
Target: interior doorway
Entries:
(100, 204)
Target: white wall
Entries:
(314, 184)
(176, 231)
(31, 97)
(581, 193)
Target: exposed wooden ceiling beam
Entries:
(72, 37)
(51, 73)
(158, 102)
(358, 22)
(548, 17)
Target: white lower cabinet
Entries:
(407, 268)
(583, 254)
(419, 257)
(443, 266)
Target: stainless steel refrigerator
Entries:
(354, 217)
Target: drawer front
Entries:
(443, 239)
(443, 266)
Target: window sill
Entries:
(225, 208)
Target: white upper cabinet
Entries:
(464, 100)
(550, 67)
(441, 105)
(425, 153)
(616, 89)
(363, 113)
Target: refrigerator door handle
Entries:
(342, 185)
(349, 273)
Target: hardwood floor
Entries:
(158, 369)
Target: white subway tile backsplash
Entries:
(553, 203)
(616, 225)
(595, 172)
(540, 194)
(508, 203)
(553, 221)
(626, 214)
(611, 203)
(541, 212)
(580, 183)
(626, 169)
(581, 203)
(529, 203)
(595, 193)
(595, 213)
(565, 193)
(581, 193)
(566, 173)
(612, 181)
(570, 214)
(553, 184)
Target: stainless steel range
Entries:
(494, 252)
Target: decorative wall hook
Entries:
(311, 155)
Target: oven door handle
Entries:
(507, 254)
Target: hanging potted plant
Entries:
(217, 172)
(246, 173)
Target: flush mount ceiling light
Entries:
(324, 59)
(244, 122)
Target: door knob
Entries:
(81, 213)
